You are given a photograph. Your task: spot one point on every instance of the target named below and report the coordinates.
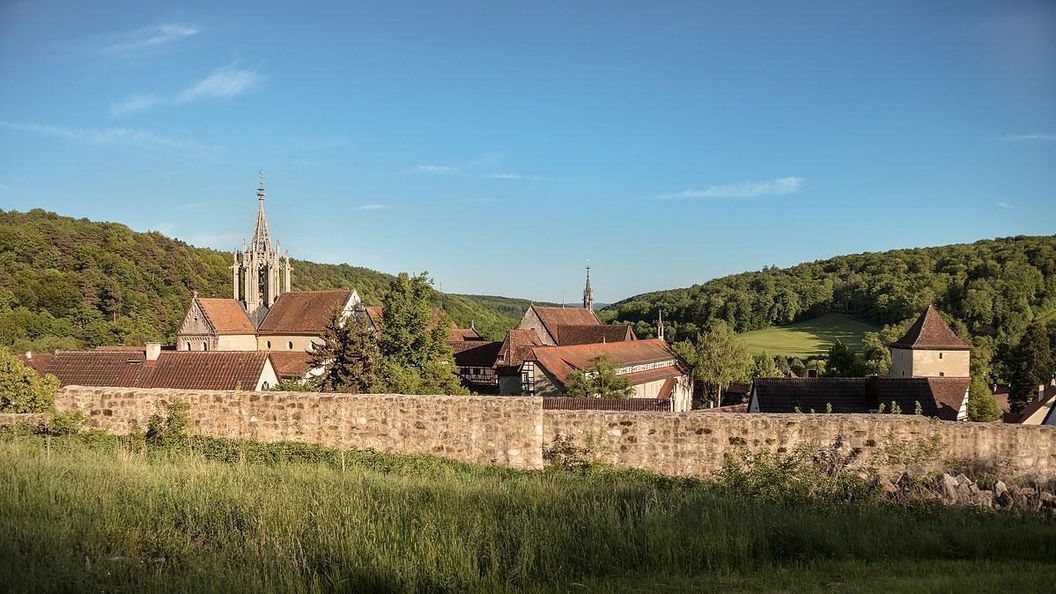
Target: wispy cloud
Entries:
(1029, 137)
(123, 136)
(1005, 205)
(364, 207)
(462, 171)
(150, 37)
(512, 176)
(749, 189)
(436, 169)
(222, 83)
(134, 103)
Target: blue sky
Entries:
(499, 145)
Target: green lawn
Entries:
(809, 337)
(101, 514)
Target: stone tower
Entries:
(588, 293)
(259, 274)
(930, 349)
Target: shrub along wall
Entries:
(513, 431)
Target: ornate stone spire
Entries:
(261, 236)
(588, 293)
(660, 324)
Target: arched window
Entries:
(290, 344)
(205, 346)
(188, 345)
(269, 344)
(265, 386)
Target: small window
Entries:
(205, 346)
(290, 345)
(187, 346)
(940, 354)
(942, 374)
(903, 373)
(269, 344)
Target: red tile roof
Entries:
(226, 316)
(1034, 405)
(562, 360)
(98, 368)
(476, 353)
(572, 334)
(930, 332)
(939, 397)
(303, 312)
(651, 375)
(216, 370)
(37, 362)
(552, 317)
(516, 346)
(464, 334)
(291, 364)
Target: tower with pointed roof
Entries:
(930, 349)
(588, 293)
(259, 273)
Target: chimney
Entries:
(153, 349)
(1041, 391)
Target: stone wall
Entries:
(513, 431)
(694, 444)
(485, 430)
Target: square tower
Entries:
(930, 349)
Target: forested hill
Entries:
(72, 283)
(996, 287)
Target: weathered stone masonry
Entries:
(513, 431)
(502, 431)
(694, 444)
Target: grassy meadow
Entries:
(809, 337)
(99, 513)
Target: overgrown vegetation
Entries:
(602, 382)
(99, 513)
(21, 389)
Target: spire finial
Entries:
(260, 187)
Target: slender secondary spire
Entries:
(261, 236)
(660, 324)
(588, 293)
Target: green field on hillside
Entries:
(94, 513)
(809, 337)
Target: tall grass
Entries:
(91, 513)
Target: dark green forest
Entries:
(995, 287)
(73, 283)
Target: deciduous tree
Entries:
(602, 382)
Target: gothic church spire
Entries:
(588, 293)
(261, 236)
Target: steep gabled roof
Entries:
(930, 332)
(552, 317)
(516, 346)
(226, 316)
(569, 334)
(303, 312)
(291, 364)
(216, 370)
(476, 353)
(560, 361)
(464, 334)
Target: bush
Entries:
(171, 428)
(63, 423)
(21, 389)
(803, 474)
